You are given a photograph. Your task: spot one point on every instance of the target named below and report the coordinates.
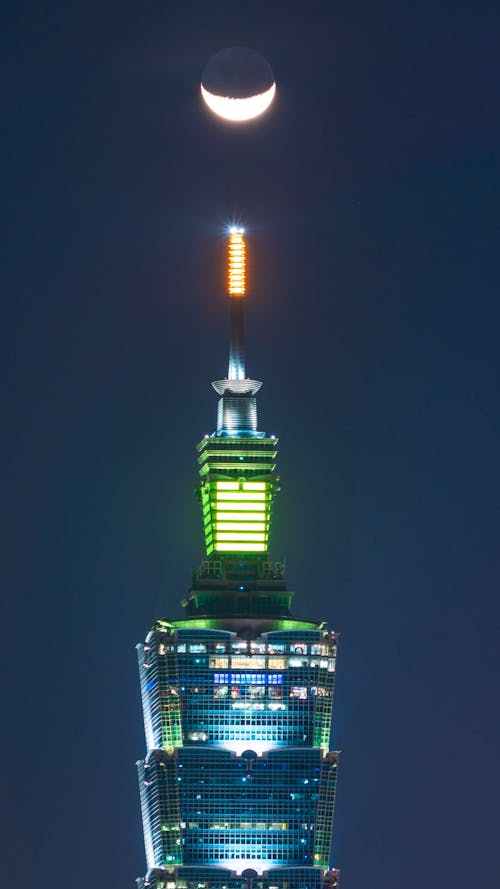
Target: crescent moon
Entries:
(239, 109)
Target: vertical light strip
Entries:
(236, 273)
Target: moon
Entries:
(240, 108)
(238, 84)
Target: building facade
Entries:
(238, 783)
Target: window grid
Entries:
(205, 690)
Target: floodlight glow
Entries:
(239, 526)
(237, 514)
(231, 517)
(242, 507)
(247, 548)
(239, 747)
(240, 496)
(236, 535)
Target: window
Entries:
(248, 663)
(298, 691)
(319, 649)
(218, 663)
(276, 663)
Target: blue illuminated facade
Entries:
(238, 783)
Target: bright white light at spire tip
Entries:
(234, 230)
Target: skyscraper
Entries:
(238, 783)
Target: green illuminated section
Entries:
(323, 718)
(215, 624)
(237, 491)
(168, 673)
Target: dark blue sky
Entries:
(371, 196)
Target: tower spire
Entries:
(236, 286)
(237, 411)
(237, 462)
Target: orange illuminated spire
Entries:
(236, 266)
(237, 410)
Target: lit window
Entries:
(218, 662)
(276, 663)
(242, 663)
(298, 691)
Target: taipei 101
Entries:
(251, 427)
(238, 783)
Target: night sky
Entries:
(371, 197)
